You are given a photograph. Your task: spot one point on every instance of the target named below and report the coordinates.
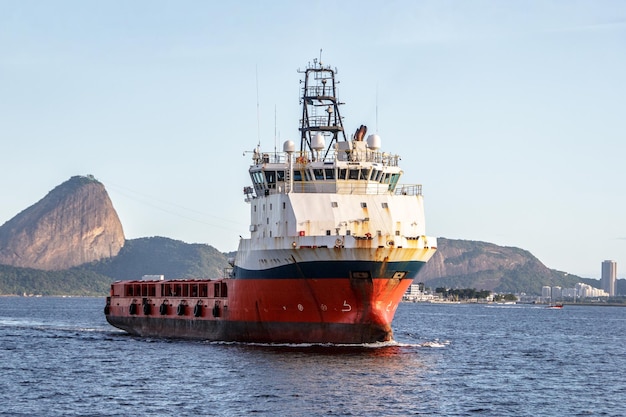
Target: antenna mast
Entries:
(320, 107)
(258, 113)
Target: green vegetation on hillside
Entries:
(163, 256)
(145, 256)
(463, 293)
(523, 279)
(19, 281)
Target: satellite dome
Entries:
(318, 142)
(289, 146)
(373, 142)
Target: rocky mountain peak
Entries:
(73, 224)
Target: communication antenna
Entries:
(376, 107)
(275, 137)
(258, 113)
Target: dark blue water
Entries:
(59, 357)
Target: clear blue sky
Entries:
(512, 114)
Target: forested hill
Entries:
(485, 266)
(138, 257)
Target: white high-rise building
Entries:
(609, 276)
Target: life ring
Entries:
(368, 235)
(180, 310)
(163, 309)
(146, 309)
(197, 310)
(132, 309)
(302, 160)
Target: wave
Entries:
(363, 346)
(46, 326)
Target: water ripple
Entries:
(59, 357)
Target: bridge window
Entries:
(330, 174)
(257, 178)
(297, 175)
(270, 177)
(354, 174)
(319, 174)
(394, 181)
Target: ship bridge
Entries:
(352, 168)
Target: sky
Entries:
(512, 114)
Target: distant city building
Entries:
(609, 276)
(568, 293)
(587, 291)
(581, 290)
(416, 293)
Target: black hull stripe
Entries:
(331, 269)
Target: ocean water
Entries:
(59, 357)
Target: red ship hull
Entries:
(354, 310)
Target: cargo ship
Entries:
(335, 241)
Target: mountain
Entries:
(73, 224)
(138, 257)
(485, 266)
(162, 256)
